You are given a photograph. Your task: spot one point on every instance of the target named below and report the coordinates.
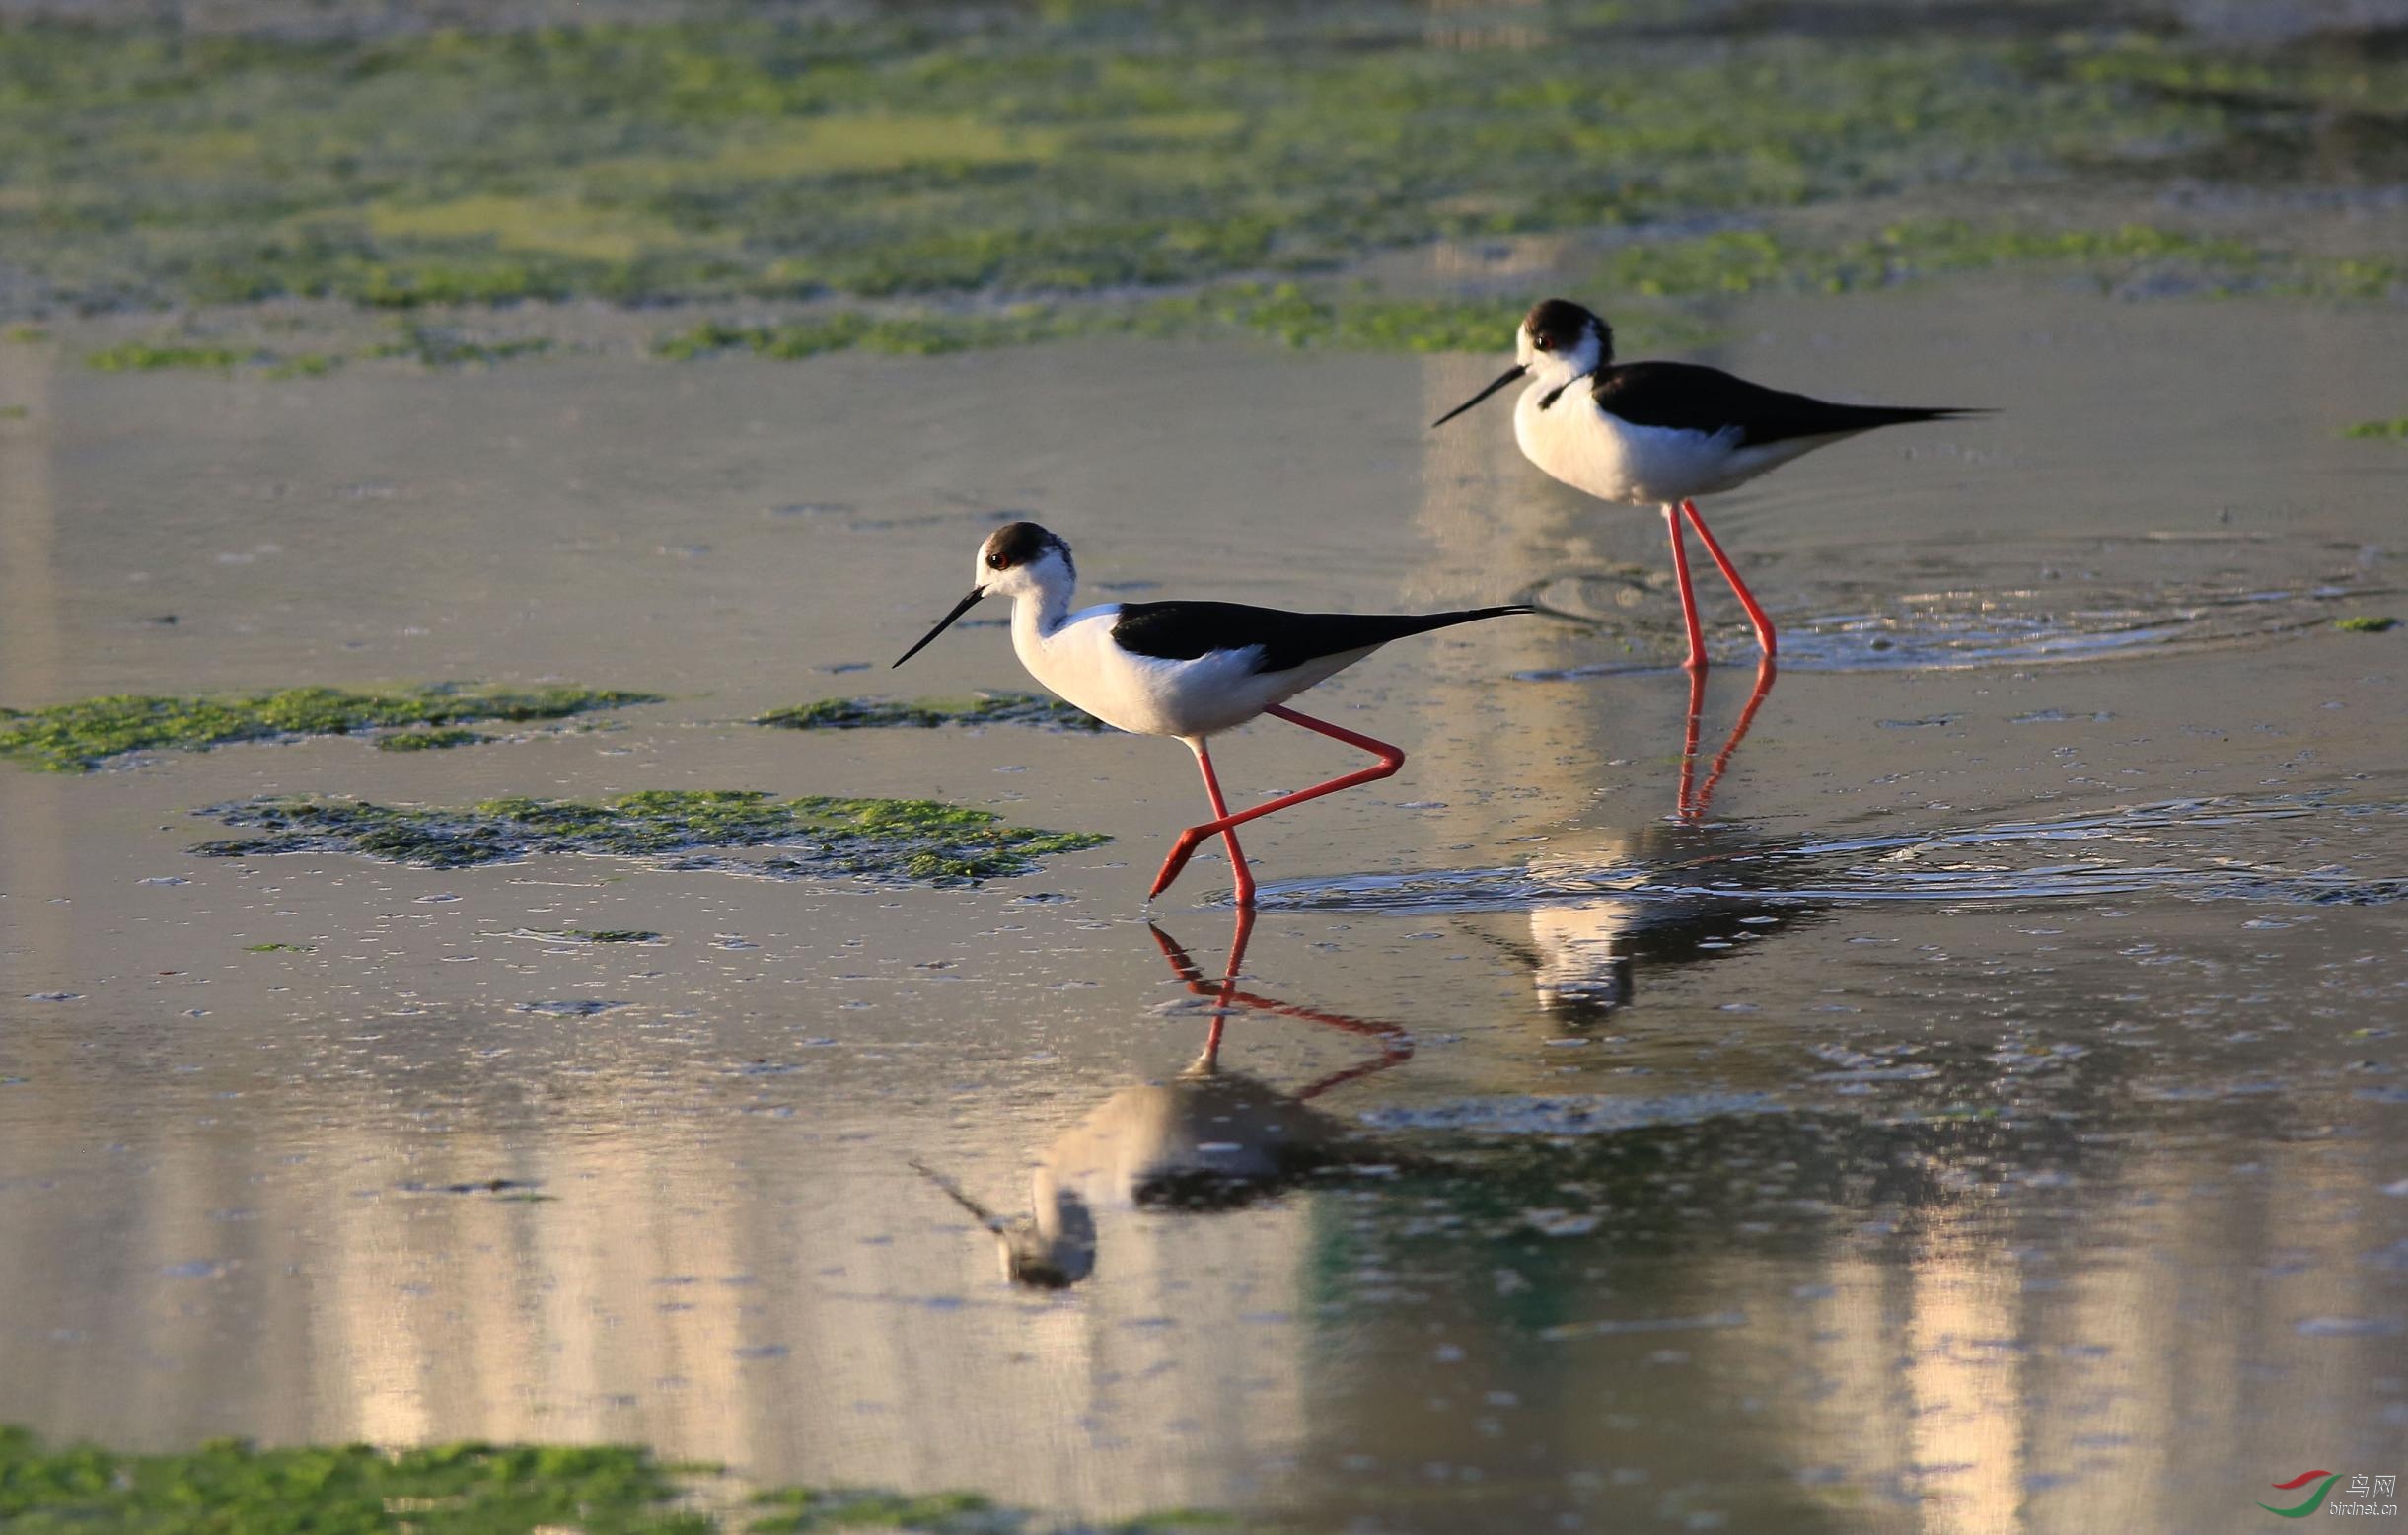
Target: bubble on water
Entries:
(2348, 1326)
(195, 1269)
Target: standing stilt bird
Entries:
(1185, 668)
(1659, 433)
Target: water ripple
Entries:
(2020, 604)
(2006, 860)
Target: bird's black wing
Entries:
(1688, 397)
(1184, 632)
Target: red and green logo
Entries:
(2324, 1481)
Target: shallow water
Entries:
(1983, 1111)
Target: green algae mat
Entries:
(81, 736)
(1094, 150)
(225, 1488)
(231, 1488)
(906, 841)
(987, 708)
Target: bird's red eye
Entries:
(1542, 343)
(996, 562)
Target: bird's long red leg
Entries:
(1694, 809)
(1390, 759)
(1689, 596)
(1747, 599)
(1221, 810)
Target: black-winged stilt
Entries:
(1185, 668)
(1661, 433)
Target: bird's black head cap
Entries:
(1556, 326)
(1017, 544)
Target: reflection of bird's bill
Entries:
(954, 1191)
(1046, 1254)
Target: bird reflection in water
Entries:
(1584, 954)
(1207, 1139)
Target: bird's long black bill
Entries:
(1507, 377)
(944, 623)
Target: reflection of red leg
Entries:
(1747, 599)
(1688, 596)
(1396, 1046)
(1221, 810)
(1390, 759)
(1689, 740)
(1693, 807)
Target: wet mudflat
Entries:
(1983, 1110)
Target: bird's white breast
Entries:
(1614, 460)
(1149, 696)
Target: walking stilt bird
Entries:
(1185, 668)
(1661, 433)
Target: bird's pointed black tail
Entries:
(1424, 623)
(1907, 415)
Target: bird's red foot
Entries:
(1181, 851)
(1244, 893)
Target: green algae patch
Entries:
(155, 357)
(431, 740)
(1291, 314)
(2128, 257)
(303, 365)
(2366, 624)
(900, 335)
(900, 841)
(2378, 431)
(987, 708)
(798, 1509)
(1079, 148)
(451, 347)
(850, 1508)
(430, 345)
(349, 1490)
(230, 1486)
(279, 948)
(591, 935)
(77, 737)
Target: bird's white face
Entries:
(1043, 573)
(1553, 360)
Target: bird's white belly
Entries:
(1639, 466)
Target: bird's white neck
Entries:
(1037, 615)
(1553, 375)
